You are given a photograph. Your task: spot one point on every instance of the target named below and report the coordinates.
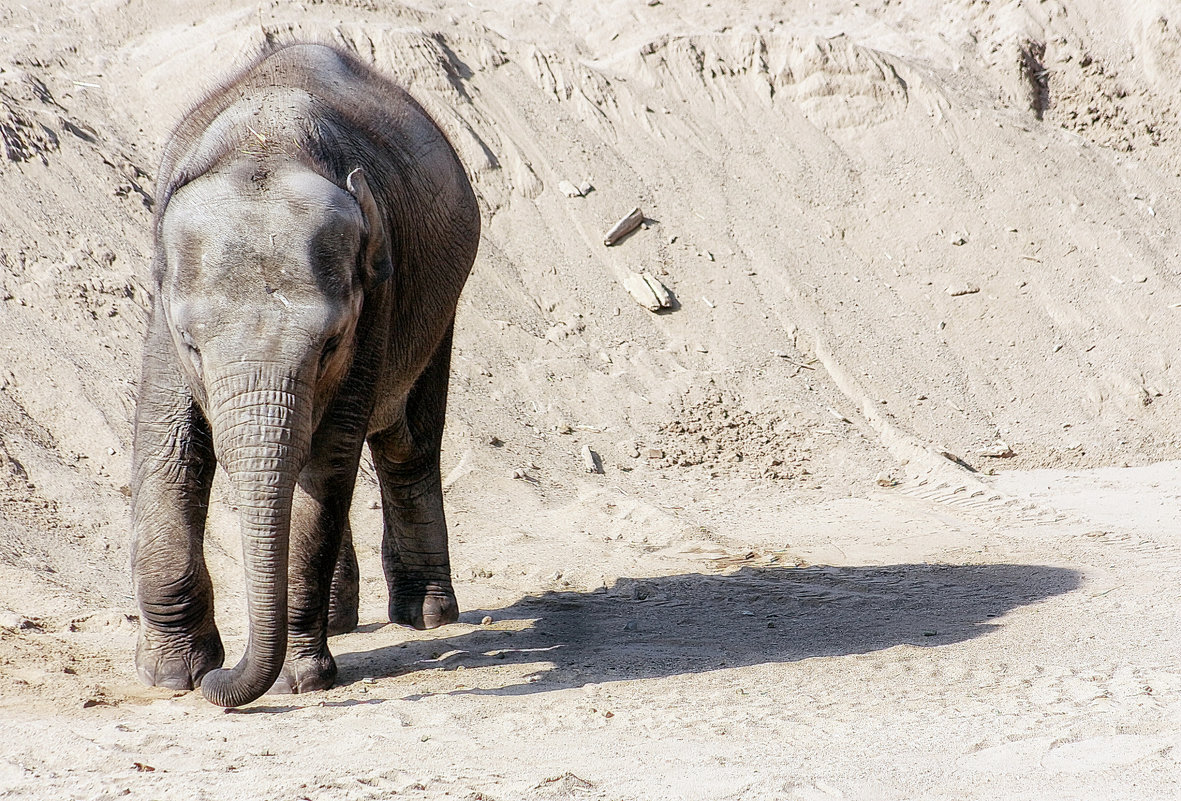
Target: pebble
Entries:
(653, 453)
(630, 222)
(569, 190)
(591, 460)
(998, 450)
(958, 290)
(486, 620)
(647, 291)
(585, 188)
(11, 620)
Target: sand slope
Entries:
(900, 237)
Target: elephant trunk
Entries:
(261, 428)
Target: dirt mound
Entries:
(897, 236)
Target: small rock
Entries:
(959, 240)
(375, 504)
(1139, 279)
(648, 291)
(585, 188)
(519, 474)
(886, 480)
(957, 290)
(630, 222)
(631, 625)
(653, 453)
(568, 189)
(591, 460)
(951, 457)
(495, 442)
(486, 620)
(998, 450)
(367, 680)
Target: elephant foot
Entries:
(305, 674)
(434, 606)
(177, 662)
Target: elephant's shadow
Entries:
(692, 623)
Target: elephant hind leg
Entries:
(414, 546)
(344, 597)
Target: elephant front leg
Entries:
(319, 526)
(173, 468)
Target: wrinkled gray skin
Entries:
(313, 232)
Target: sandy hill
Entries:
(910, 244)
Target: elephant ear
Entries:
(376, 265)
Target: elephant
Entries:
(313, 230)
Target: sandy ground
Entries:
(888, 502)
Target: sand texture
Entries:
(881, 389)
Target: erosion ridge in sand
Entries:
(899, 237)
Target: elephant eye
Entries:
(330, 347)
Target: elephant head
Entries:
(262, 282)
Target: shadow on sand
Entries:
(692, 623)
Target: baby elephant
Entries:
(313, 231)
